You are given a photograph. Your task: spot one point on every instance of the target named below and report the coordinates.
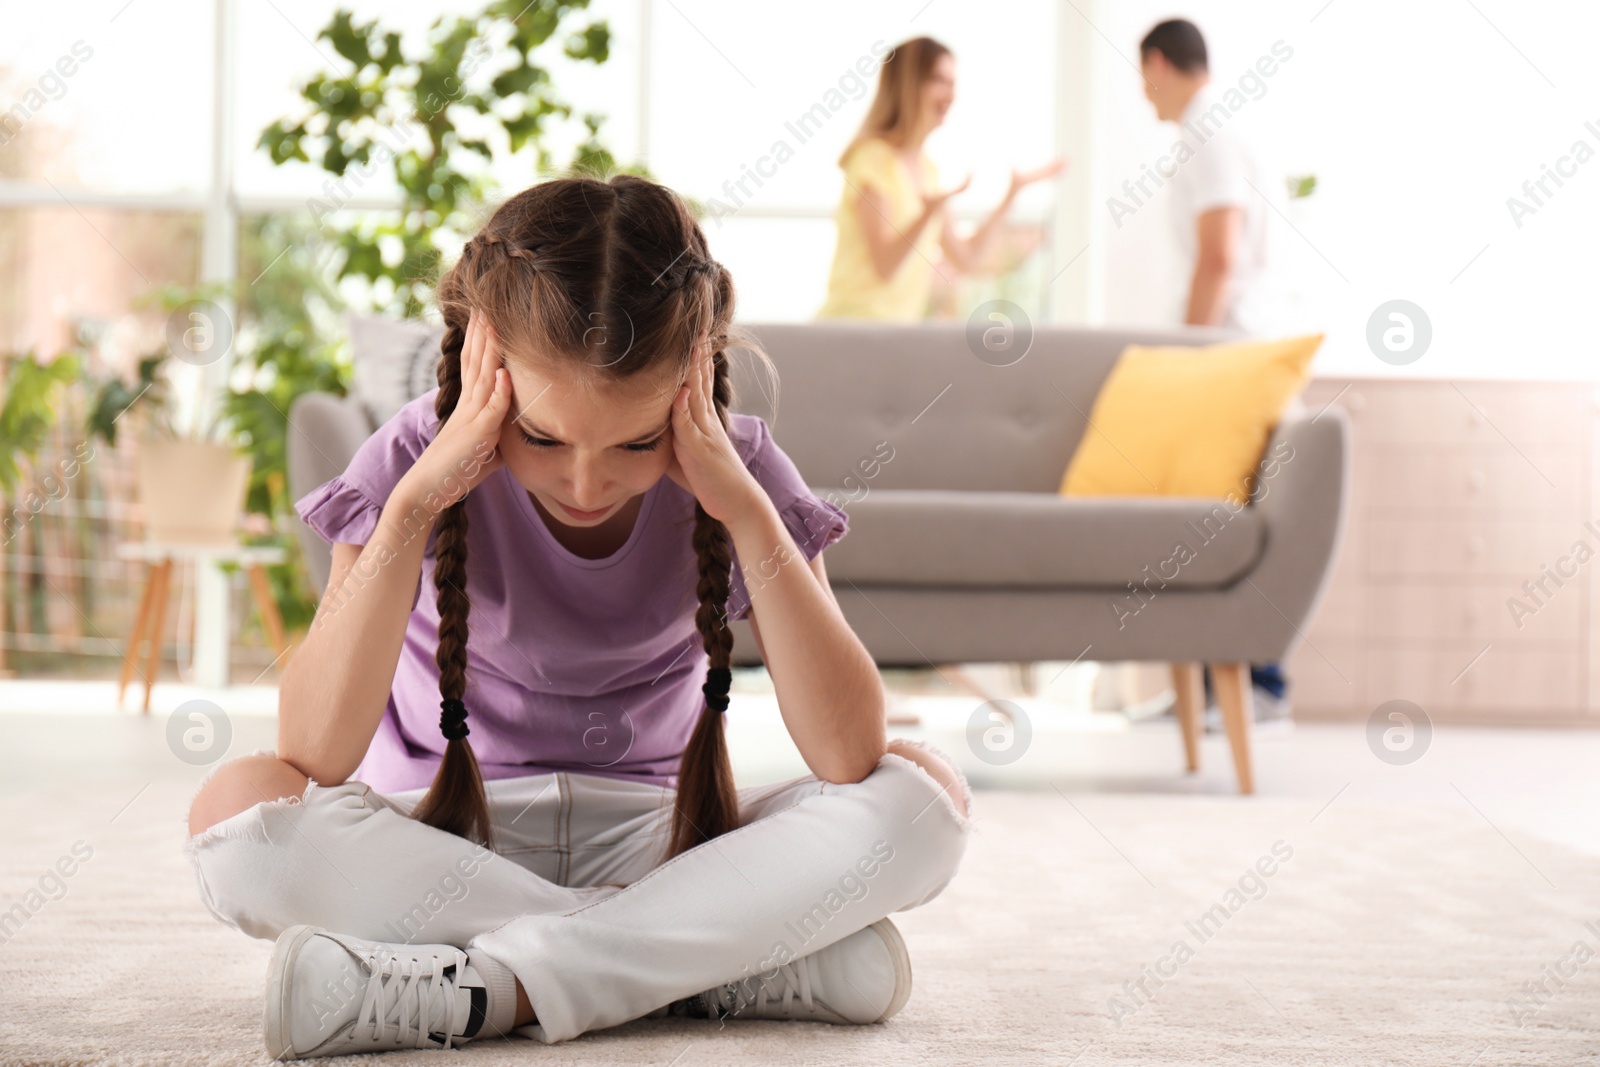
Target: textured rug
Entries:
(1083, 928)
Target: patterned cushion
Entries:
(394, 361)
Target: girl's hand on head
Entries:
(704, 460)
(466, 449)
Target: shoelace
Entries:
(791, 980)
(415, 987)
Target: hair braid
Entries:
(456, 801)
(707, 803)
(486, 243)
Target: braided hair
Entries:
(613, 274)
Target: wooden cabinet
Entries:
(1465, 581)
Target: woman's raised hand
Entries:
(466, 449)
(934, 200)
(1021, 179)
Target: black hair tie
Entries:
(718, 681)
(453, 719)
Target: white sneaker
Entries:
(863, 978)
(330, 994)
(1158, 711)
(1272, 715)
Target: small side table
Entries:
(152, 615)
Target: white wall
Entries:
(1419, 119)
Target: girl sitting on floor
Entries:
(590, 517)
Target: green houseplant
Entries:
(289, 344)
(432, 117)
(29, 390)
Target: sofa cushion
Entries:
(392, 361)
(1182, 421)
(1041, 540)
(847, 392)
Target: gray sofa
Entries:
(961, 550)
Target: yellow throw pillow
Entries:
(1178, 421)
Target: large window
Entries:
(699, 90)
(129, 168)
(1453, 147)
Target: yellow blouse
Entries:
(855, 291)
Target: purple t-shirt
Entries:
(591, 666)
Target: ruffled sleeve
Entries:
(813, 522)
(345, 509)
(343, 514)
(339, 512)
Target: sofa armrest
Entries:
(1304, 501)
(324, 433)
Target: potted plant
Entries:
(28, 412)
(191, 483)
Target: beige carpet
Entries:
(1389, 936)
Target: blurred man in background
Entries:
(1219, 207)
(1218, 187)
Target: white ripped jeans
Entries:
(576, 900)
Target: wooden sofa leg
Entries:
(1188, 683)
(1232, 681)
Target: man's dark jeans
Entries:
(1267, 676)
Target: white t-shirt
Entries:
(1224, 172)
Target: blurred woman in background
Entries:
(893, 219)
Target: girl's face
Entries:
(939, 91)
(582, 450)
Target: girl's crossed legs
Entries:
(576, 902)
